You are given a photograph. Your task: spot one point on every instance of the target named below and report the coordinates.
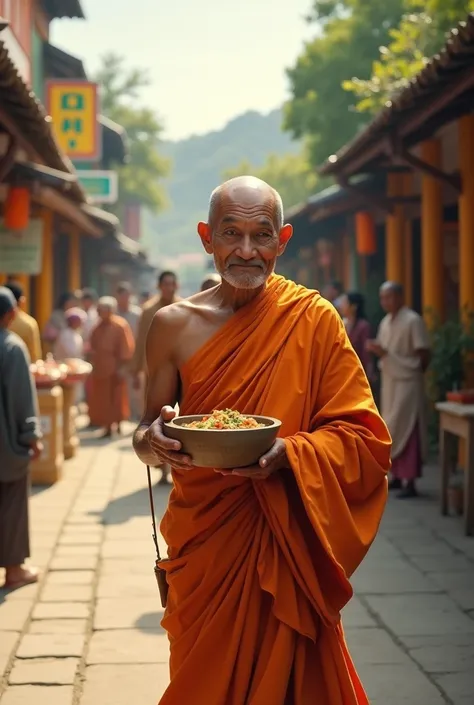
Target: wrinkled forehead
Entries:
(253, 206)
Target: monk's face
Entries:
(104, 312)
(245, 237)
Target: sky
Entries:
(208, 60)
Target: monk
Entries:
(402, 347)
(260, 557)
(111, 349)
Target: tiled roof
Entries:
(28, 118)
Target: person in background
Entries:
(167, 288)
(89, 305)
(333, 292)
(19, 444)
(211, 281)
(57, 320)
(403, 350)
(144, 297)
(130, 313)
(112, 347)
(24, 325)
(126, 309)
(358, 328)
(70, 343)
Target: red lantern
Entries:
(366, 238)
(17, 208)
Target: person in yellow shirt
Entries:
(25, 325)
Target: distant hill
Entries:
(198, 165)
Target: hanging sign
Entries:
(73, 106)
(21, 252)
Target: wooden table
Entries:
(457, 420)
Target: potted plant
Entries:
(452, 349)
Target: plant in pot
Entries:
(451, 367)
(452, 355)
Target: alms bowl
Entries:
(227, 448)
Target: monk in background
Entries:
(260, 558)
(111, 349)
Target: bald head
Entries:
(246, 190)
(394, 287)
(391, 297)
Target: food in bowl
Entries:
(226, 420)
(213, 447)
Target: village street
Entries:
(89, 633)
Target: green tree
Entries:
(349, 35)
(120, 89)
(419, 35)
(290, 174)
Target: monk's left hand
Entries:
(275, 459)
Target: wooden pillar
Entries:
(44, 281)
(408, 245)
(466, 213)
(74, 260)
(432, 269)
(395, 233)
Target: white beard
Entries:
(245, 281)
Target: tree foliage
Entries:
(290, 174)
(419, 35)
(120, 89)
(400, 61)
(348, 40)
(349, 34)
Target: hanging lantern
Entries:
(17, 208)
(366, 238)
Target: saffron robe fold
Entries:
(259, 570)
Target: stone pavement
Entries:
(89, 633)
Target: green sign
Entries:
(100, 186)
(21, 252)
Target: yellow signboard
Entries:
(73, 106)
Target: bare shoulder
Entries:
(173, 318)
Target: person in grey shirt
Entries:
(131, 313)
(19, 444)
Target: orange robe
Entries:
(112, 347)
(259, 570)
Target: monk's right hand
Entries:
(167, 449)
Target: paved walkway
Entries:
(89, 634)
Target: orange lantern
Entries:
(366, 238)
(17, 208)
